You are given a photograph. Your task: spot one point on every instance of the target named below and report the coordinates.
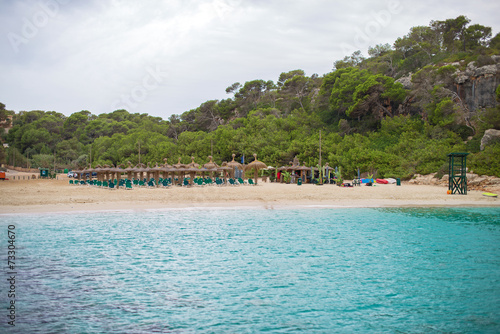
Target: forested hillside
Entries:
(397, 112)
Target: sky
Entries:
(165, 57)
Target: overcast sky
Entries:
(164, 57)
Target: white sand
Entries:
(36, 196)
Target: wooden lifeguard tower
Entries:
(457, 182)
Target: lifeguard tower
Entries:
(457, 182)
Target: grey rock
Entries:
(405, 81)
(490, 136)
(488, 69)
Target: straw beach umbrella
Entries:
(148, 171)
(78, 173)
(105, 172)
(129, 170)
(193, 164)
(156, 171)
(118, 171)
(180, 169)
(166, 169)
(224, 169)
(234, 164)
(192, 171)
(140, 168)
(255, 165)
(99, 172)
(210, 164)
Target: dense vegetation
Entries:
(367, 118)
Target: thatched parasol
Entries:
(156, 171)
(148, 171)
(192, 172)
(234, 164)
(179, 165)
(255, 165)
(165, 164)
(166, 168)
(129, 170)
(118, 171)
(90, 170)
(84, 173)
(224, 169)
(99, 172)
(210, 164)
(78, 172)
(140, 168)
(193, 164)
(192, 169)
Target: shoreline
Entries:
(57, 196)
(36, 210)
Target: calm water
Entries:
(244, 271)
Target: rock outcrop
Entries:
(491, 136)
(474, 181)
(406, 81)
(476, 85)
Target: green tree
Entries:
(379, 50)
(349, 61)
(75, 124)
(295, 86)
(475, 36)
(357, 93)
(494, 43)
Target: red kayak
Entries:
(382, 181)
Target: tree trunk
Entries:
(384, 109)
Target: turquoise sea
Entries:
(412, 270)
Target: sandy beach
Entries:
(37, 196)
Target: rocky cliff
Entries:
(476, 85)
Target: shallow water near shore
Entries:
(409, 270)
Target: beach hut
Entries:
(303, 172)
(255, 165)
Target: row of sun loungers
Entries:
(163, 183)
